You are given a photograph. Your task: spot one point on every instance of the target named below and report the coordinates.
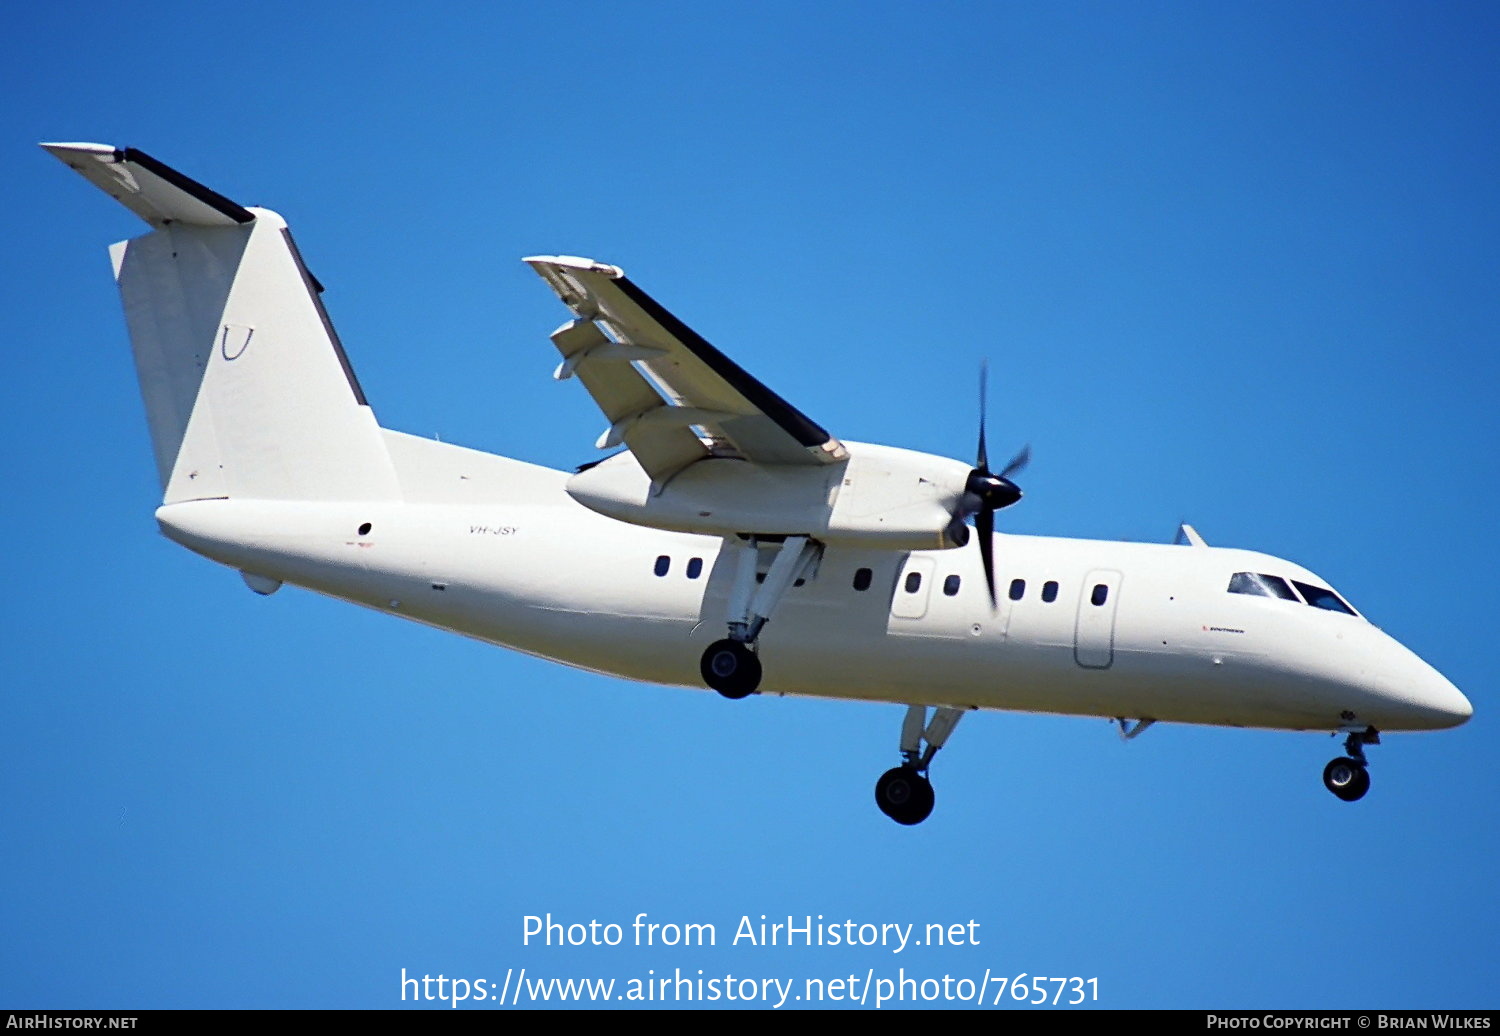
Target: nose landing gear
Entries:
(730, 668)
(1348, 778)
(904, 793)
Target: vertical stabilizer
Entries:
(248, 392)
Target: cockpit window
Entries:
(1258, 585)
(1322, 597)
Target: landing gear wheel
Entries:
(904, 795)
(1347, 778)
(730, 668)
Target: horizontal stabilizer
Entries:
(155, 192)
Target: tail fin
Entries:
(248, 392)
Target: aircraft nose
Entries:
(1440, 703)
(1447, 701)
(1425, 698)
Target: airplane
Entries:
(730, 541)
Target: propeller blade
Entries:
(1018, 462)
(985, 493)
(983, 463)
(984, 528)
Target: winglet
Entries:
(153, 191)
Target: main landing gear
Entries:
(904, 793)
(1349, 778)
(730, 666)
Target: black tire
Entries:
(904, 795)
(730, 668)
(1346, 778)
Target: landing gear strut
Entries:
(730, 666)
(1348, 778)
(904, 793)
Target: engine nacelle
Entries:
(879, 497)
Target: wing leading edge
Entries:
(669, 395)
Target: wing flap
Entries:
(627, 400)
(722, 407)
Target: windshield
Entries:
(1322, 597)
(1258, 584)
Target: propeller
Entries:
(986, 492)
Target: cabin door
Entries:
(1094, 631)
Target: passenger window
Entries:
(1049, 591)
(695, 568)
(1100, 594)
(862, 578)
(1258, 584)
(1322, 597)
(950, 586)
(913, 582)
(663, 563)
(1017, 589)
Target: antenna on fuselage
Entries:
(1187, 535)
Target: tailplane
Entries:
(247, 388)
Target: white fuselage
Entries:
(496, 549)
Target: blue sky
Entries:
(1230, 263)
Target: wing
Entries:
(669, 396)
